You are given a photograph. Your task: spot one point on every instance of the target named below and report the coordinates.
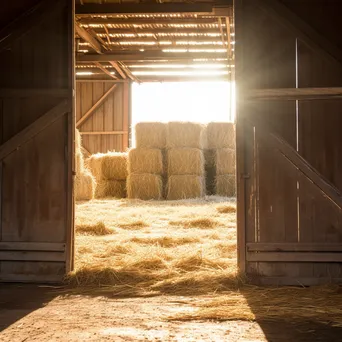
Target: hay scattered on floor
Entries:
(185, 134)
(185, 161)
(221, 135)
(133, 225)
(145, 186)
(185, 186)
(150, 135)
(165, 241)
(98, 229)
(226, 209)
(203, 223)
(145, 160)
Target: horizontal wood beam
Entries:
(87, 80)
(138, 39)
(293, 257)
(32, 246)
(118, 69)
(169, 31)
(104, 133)
(87, 115)
(35, 128)
(89, 38)
(294, 247)
(26, 92)
(149, 55)
(296, 160)
(31, 256)
(150, 21)
(107, 72)
(31, 278)
(293, 94)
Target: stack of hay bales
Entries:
(84, 182)
(185, 160)
(220, 159)
(110, 172)
(146, 162)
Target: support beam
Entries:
(104, 133)
(293, 247)
(129, 74)
(294, 257)
(87, 115)
(35, 128)
(149, 21)
(101, 67)
(118, 69)
(89, 38)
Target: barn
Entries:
(249, 259)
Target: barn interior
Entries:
(102, 237)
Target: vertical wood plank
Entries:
(125, 113)
(109, 120)
(97, 117)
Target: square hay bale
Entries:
(150, 135)
(145, 186)
(185, 161)
(186, 186)
(185, 134)
(84, 186)
(226, 185)
(145, 160)
(221, 135)
(110, 188)
(225, 161)
(110, 165)
(78, 140)
(79, 162)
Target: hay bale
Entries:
(110, 165)
(78, 140)
(79, 162)
(225, 161)
(145, 160)
(84, 186)
(145, 186)
(221, 135)
(185, 186)
(185, 134)
(150, 135)
(110, 188)
(226, 185)
(185, 161)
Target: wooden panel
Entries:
(294, 257)
(294, 247)
(111, 116)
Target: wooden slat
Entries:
(118, 69)
(294, 247)
(297, 281)
(32, 246)
(13, 92)
(293, 94)
(294, 257)
(125, 114)
(94, 80)
(95, 106)
(36, 127)
(31, 256)
(30, 278)
(149, 21)
(107, 72)
(105, 133)
(93, 42)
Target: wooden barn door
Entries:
(36, 137)
(289, 148)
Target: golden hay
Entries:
(185, 186)
(185, 134)
(226, 209)
(110, 165)
(79, 162)
(226, 185)
(145, 186)
(78, 140)
(145, 160)
(98, 229)
(221, 135)
(185, 161)
(203, 223)
(84, 186)
(150, 135)
(110, 188)
(225, 161)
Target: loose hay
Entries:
(98, 229)
(150, 135)
(110, 188)
(79, 162)
(226, 185)
(145, 186)
(185, 134)
(185, 186)
(110, 165)
(78, 140)
(185, 161)
(225, 161)
(145, 160)
(221, 135)
(84, 186)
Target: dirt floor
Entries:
(163, 272)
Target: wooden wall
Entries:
(107, 129)
(36, 137)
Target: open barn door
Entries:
(36, 136)
(289, 147)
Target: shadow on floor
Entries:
(19, 300)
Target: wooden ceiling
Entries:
(150, 41)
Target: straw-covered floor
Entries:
(188, 248)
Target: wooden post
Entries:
(126, 97)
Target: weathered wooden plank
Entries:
(89, 38)
(107, 72)
(118, 69)
(98, 117)
(294, 247)
(30, 278)
(105, 133)
(294, 257)
(298, 281)
(31, 256)
(125, 114)
(13, 92)
(32, 246)
(29, 132)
